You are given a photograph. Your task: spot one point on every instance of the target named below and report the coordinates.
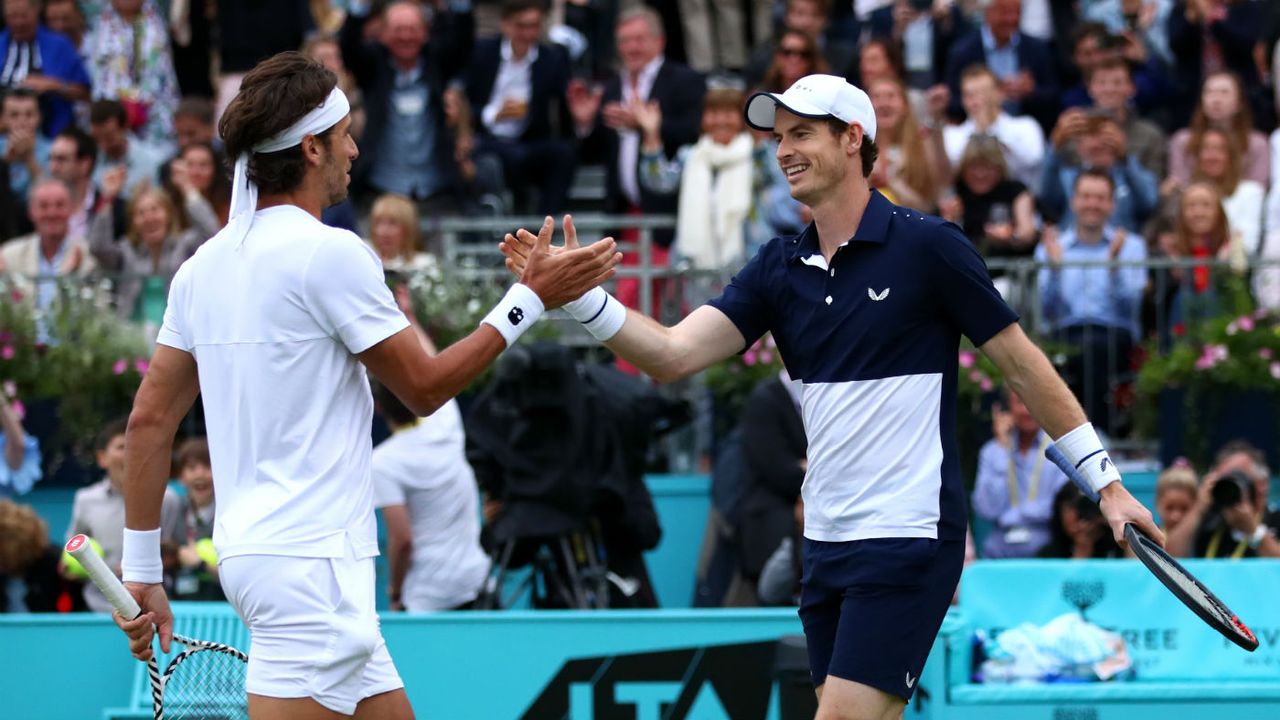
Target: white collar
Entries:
(507, 54)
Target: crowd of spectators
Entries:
(1113, 130)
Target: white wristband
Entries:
(140, 559)
(1083, 448)
(599, 312)
(518, 310)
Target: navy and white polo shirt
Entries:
(874, 337)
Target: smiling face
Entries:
(50, 210)
(197, 478)
(388, 236)
(722, 124)
(638, 44)
(404, 33)
(816, 161)
(889, 102)
(151, 219)
(1200, 208)
(200, 167)
(1214, 157)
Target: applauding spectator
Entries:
(20, 461)
(1224, 106)
(1021, 139)
(996, 211)
(22, 146)
(1097, 143)
(50, 251)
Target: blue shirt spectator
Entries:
(35, 57)
(19, 453)
(1102, 146)
(1096, 295)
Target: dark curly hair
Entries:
(273, 96)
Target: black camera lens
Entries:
(1231, 489)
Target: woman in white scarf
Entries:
(713, 177)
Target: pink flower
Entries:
(766, 357)
(749, 357)
(141, 365)
(976, 376)
(1265, 353)
(16, 295)
(966, 359)
(1245, 322)
(1232, 328)
(1210, 356)
(10, 388)
(1275, 370)
(7, 352)
(986, 384)
(120, 366)
(21, 411)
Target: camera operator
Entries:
(1230, 517)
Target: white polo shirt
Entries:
(274, 324)
(425, 469)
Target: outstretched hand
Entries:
(559, 274)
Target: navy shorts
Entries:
(872, 608)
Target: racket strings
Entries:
(1198, 594)
(208, 685)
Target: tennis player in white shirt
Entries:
(274, 322)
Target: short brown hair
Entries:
(192, 451)
(273, 96)
(868, 152)
(24, 536)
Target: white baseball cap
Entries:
(815, 96)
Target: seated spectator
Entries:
(1015, 486)
(193, 123)
(1230, 517)
(325, 50)
(43, 61)
(72, 157)
(774, 446)
(408, 143)
(912, 167)
(196, 577)
(996, 212)
(154, 246)
(127, 51)
(22, 146)
(810, 18)
(201, 168)
(1218, 162)
(29, 580)
(795, 56)
(713, 178)
(98, 510)
(20, 463)
(924, 37)
(109, 126)
(1111, 90)
(50, 251)
(430, 503)
(1202, 232)
(1077, 530)
(1021, 139)
(1024, 65)
(1208, 37)
(394, 235)
(1093, 309)
(1095, 46)
(1099, 145)
(1176, 491)
(1222, 105)
(516, 86)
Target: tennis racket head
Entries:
(1189, 590)
(206, 681)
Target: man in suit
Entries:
(516, 87)
(605, 121)
(1023, 64)
(49, 251)
(408, 137)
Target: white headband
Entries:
(244, 193)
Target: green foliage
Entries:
(76, 351)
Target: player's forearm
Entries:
(147, 461)
(455, 368)
(1030, 374)
(647, 344)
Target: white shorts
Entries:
(313, 626)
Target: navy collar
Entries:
(872, 228)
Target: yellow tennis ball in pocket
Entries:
(74, 569)
(206, 552)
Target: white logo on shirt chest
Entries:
(877, 297)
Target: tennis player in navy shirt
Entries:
(867, 306)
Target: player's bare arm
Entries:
(424, 383)
(666, 354)
(167, 393)
(1051, 402)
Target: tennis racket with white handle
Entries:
(211, 683)
(1176, 578)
